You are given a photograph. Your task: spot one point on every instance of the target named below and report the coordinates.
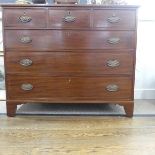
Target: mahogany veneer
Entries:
(69, 54)
(70, 63)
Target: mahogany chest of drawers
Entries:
(69, 54)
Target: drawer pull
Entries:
(113, 40)
(25, 40)
(27, 86)
(69, 18)
(26, 62)
(113, 19)
(112, 88)
(113, 63)
(25, 19)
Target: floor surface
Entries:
(77, 135)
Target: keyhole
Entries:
(69, 80)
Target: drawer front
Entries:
(114, 19)
(70, 63)
(72, 18)
(94, 88)
(63, 40)
(25, 18)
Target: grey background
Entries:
(2, 85)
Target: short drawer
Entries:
(68, 39)
(76, 88)
(114, 19)
(25, 18)
(72, 18)
(70, 63)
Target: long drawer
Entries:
(70, 63)
(68, 39)
(78, 88)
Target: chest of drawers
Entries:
(69, 54)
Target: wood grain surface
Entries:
(101, 16)
(82, 18)
(79, 63)
(79, 88)
(12, 16)
(77, 136)
(68, 39)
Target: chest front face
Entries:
(70, 54)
